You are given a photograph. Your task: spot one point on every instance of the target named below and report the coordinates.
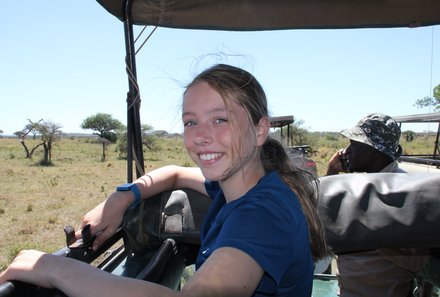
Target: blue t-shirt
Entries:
(268, 224)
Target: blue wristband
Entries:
(133, 188)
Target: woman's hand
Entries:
(105, 219)
(32, 267)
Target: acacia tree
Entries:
(30, 128)
(430, 101)
(299, 135)
(105, 127)
(49, 132)
(409, 135)
(148, 139)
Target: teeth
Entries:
(207, 157)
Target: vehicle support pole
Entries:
(134, 133)
(436, 153)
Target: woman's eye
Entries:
(220, 120)
(189, 123)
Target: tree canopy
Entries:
(430, 101)
(47, 131)
(105, 126)
(148, 139)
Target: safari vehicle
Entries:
(298, 154)
(161, 237)
(433, 158)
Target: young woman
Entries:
(261, 233)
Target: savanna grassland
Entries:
(36, 202)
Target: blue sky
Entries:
(64, 61)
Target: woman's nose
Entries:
(202, 135)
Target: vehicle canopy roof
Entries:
(277, 14)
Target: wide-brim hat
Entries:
(379, 131)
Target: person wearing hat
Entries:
(374, 147)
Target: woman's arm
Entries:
(76, 278)
(227, 272)
(169, 178)
(106, 218)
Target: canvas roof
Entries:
(279, 14)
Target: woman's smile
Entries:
(209, 156)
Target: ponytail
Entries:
(304, 185)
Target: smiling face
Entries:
(219, 139)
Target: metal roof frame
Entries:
(434, 117)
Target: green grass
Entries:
(37, 202)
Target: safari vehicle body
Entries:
(429, 158)
(159, 244)
(298, 154)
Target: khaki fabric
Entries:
(368, 274)
(409, 259)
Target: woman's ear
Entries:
(262, 130)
